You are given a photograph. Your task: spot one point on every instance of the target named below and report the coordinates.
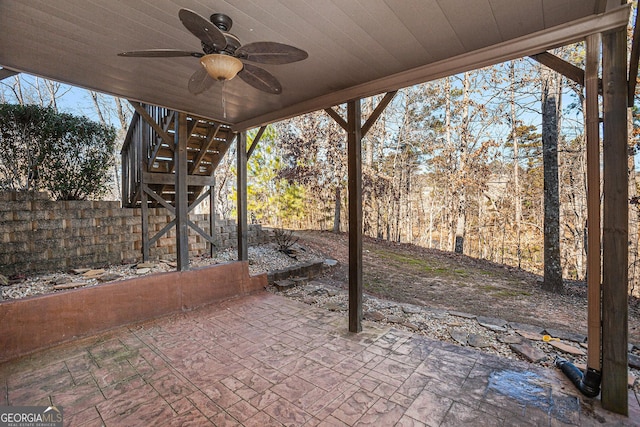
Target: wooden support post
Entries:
(212, 215)
(241, 193)
(615, 224)
(144, 215)
(181, 200)
(593, 202)
(354, 143)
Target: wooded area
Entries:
(454, 164)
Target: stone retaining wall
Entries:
(37, 234)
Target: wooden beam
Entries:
(633, 63)
(144, 217)
(593, 203)
(378, 111)
(212, 215)
(335, 116)
(615, 224)
(147, 118)
(169, 179)
(561, 66)
(206, 144)
(241, 194)
(146, 189)
(6, 73)
(354, 148)
(255, 141)
(182, 198)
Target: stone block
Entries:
(15, 206)
(46, 205)
(6, 216)
(104, 204)
(21, 196)
(14, 226)
(47, 225)
(100, 213)
(78, 204)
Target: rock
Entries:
(564, 335)
(411, 326)
(373, 315)
(495, 328)
(332, 292)
(309, 300)
(491, 322)
(631, 380)
(411, 309)
(171, 264)
(319, 292)
(4, 281)
(463, 315)
(299, 281)
(146, 265)
(510, 339)
(529, 352)
(479, 341)
(566, 348)
(92, 274)
(395, 319)
(109, 277)
(530, 335)
(335, 306)
(459, 335)
(142, 271)
(436, 314)
(79, 270)
(70, 285)
(330, 262)
(634, 361)
(527, 327)
(281, 285)
(61, 280)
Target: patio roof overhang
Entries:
(356, 49)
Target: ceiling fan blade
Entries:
(208, 33)
(261, 79)
(200, 81)
(160, 53)
(270, 53)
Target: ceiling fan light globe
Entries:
(221, 67)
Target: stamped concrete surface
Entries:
(264, 360)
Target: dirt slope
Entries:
(450, 281)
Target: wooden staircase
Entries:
(169, 160)
(148, 155)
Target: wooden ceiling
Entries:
(356, 48)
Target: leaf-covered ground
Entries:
(412, 274)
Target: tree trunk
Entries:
(336, 214)
(552, 268)
(516, 168)
(461, 221)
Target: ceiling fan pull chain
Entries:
(224, 101)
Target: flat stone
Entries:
(79, 270)
(634, 361)
(510, 339)
(566, 348)
(92, 274)
(109, 277)
(530, 335)
(332, 292)
(459, 335)
(284, 284)
(631, 379)
(4, 280)
(309, 300)
(146, 265)
(298, 281)
(411, 326)
(395, 319)
(495, 328)
(70, 285)
(171, 264)
(436, 314)
(330, 262)
(491, 321)
(529, 352)
(565, 335)
(411, 309)
(463, 315)
(335, 306)
(142, 271)
(319, 292)
(62, 280)
(479, 341)
(526, 327)
(376, 316)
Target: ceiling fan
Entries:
(223, 56)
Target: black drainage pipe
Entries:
(588, 384)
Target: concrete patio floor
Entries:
(263, 360)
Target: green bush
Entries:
(66, 155)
